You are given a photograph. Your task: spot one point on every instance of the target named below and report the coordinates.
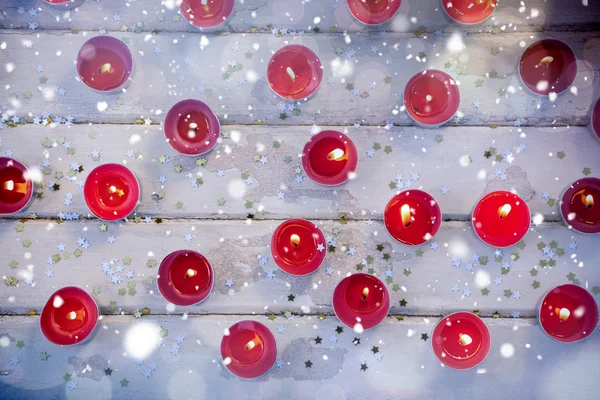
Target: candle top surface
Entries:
(298, 247)
(248, 349)
(206, 13)
(294, 72)
(361, 299)
(185, 278)
(469, 12)
(548, 66)
(104, 63)
(16, 186)
(580, 205)
(329, 158)
(191, 128)
(111, 191)
(431, 97)
(373, 12)
(596, 119)
(412, 217)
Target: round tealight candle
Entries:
(298, 247)
(431, 98)
(461, 340)
(206, 14)
(111, 192)
(412, 217)
(16, 186)
(63, 3)
(580, 206)
(185, 278)
(294, 72)
(361, 301)
(191, 128)
(469, 12)
(248, 349)
(501, 219)
(329, 158)
(595, 120)
(104, 63)
(373, 12)
(69, 317)
(568, 313)
(548, 66)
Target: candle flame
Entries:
(190, 272)
(428, 98)
(546, 61)
(250, 345)
(464, 339)
(72, 315)
(253, 343)
(106, 69)
(563, 313)
(589, 201)
(405, 214)
(365, 293)
(112, 189)
(9, 185)
(291, 73)
(504, 210)
(295, 239)
(336, 154)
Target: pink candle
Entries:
(373, 12)
(294, 72)
(104, 63)
(248, 349)
(16, 187)
(62, 4)
(431, 98)
(548, 66)
(191, 128)
(206, 14)
(329, 158)
(111, 192)
(501, 219)
(469, 12)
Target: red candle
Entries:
(580, 206)
(548, 66)
(111, 192)
(568, 313)
(104, 63)
(412, 217)
(248, 349)
(469, 12)
(191, 128)
(294, 72)
(205, 14)
(329, 158)
(298, 247)
(361, 301)
(461, 340)
(185, 278)
(373, 12)
(595, 124)
(431, 98)
(63, 3)
(501, 219)
(16, 187)
(69, 317)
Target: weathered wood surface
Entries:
(364, 78)
(296, 16)
(413, 151)
(456, 271)
(523, 363)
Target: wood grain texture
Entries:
(459, 275)
(522, 363)
(364, 78)
(457, 163)
(295, 15)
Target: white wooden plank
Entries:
(161, 78)
(523, 363)
(427, 278)
(457, 163)
(294, 15)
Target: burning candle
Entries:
(298, 247)
(206, 14)
(191, 128)
(568, 313)
(373, 12)
(501, 219)
(595, 122)
(412, 217)
(361, 301)
(248, 349)
(185, 278)
(16, 186)
(548, 66)
(105, 64)
(111, 192)
(294, 72)
(469, 12)
(580, 206)
(62, 4)
(329, 158)
(431, 98)
(461, 340)
(69, 317)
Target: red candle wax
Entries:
(294, 72)
(361, 301)
(329, 158)
(548, 66)
(185, 277)
(501, 219)
(580, 205)
(595, 123)
(568, 313)
(205, 14)
(373, 12)
(461, 340)
(469, 12)
(104, 63)
(63, 3)
(431, 98)
(111, 192)
(191, 128)
(248, 349)
(16, 187)
(412, 217)
(298, 247)
(69, 317)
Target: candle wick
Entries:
(408, 224)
